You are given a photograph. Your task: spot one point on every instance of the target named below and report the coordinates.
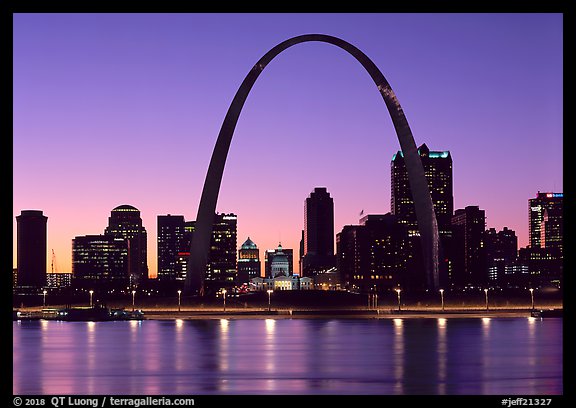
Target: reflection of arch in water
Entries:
(426, 218)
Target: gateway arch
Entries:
(426, 218)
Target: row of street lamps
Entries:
(269, 291)
(398, 290)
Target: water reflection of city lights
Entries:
(270, 325)
(442, 322)
(398, 322)
(486, 320)
(44, 324)
(179, 323)
(531, 320)
(224, 324)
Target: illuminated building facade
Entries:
(248, 261)
(549, 206)
(545, 254)
(125, 222)
(286, 255)
(372, 256)
(501, 252)
(221, 269)
(59, 279)
(100, 261)
(438, 171)
(171, 242)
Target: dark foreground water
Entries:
(294, 356)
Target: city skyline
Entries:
(494, 136)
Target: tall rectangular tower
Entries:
(125, 222)
(469, 226)
(31, 248)
(221, 269)
(438, 170)
(552, 204)
(318, 233)
(171, 242)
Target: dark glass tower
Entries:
(501, 252)
(372, 256)
(171, 242)
(438, 171)
(100, 261)
(31, 248)
(469, 226)
(318, 233)
(221, 269)
(125, 222)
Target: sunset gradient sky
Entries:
(114, 109)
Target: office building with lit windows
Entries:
(545, 210)
(125, 222)
(545, 253)
(59, 280)
(100, 261)
(438, 171)
(248, 262)
(372, 256)
(221, 270)
(171, 242)
(501, 253)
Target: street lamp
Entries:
(486, 293)
(398, 291)
(442, 298)
(224, 296)
(91, 293)
(44, 300)
(133, 298)
(269, 291)
(532, 296)
(179, 293)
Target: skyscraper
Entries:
(372, 256)
(100, 261)
(438, 171)
(469, 225)
(221, 269)
(31, 248)
(125, 222)
(545, 253)
(318, 233)
(501, 252)
(552, 203)
(171, 242)
(248, 261)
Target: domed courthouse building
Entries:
(280, 277)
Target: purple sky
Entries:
(114, 109)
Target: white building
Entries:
(280, 278)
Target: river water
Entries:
(471, 356)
